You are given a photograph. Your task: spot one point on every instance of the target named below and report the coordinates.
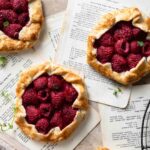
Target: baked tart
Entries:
(102, 148)
(119, 46)
(51, 102)
(20, 24)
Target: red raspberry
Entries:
(56, 120)
(1, 22)
(124, 24)
(135, 47)
(124, 31)
(57, 99)
(9, 15)
(23, 18)
(32, 114)
(119, 63)
(122, 47)
(70, 93)
(42, 126)
(40, 83)
(107, 39)
(45, 110)
(133, 60)
(43, 95)
(138, 33)
(13, 30)
(5, 4)
(55, 82)
(20, 6)
(30, 97)
(104, 54)
(68, 115)
(146, 49)
(96, 43)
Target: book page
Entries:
(80, 18)
(121, 128)
(9, 77)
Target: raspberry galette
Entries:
(20, 24)
(51, 102)
(119, 46)
(102, 148)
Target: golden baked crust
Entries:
(104, 24)
(55, 134)
(102, 148)
(29, 33)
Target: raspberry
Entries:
(20, 6)
(96, 43)
(119, 63)
(56, 120)
(70, 93)
(30, 97)
(13, 30)
(107, 39)
(57, 99)
(45, 110)
(124, 31)
(1, 22)
(55, 82)
(146, 49)
(32, 114)
(42, 126)
(40, 83)
(135, 47)
(43, 95)
(5, 4)
(133, 60)
(23, 19)
(68, 114)
(9, 15)
(104, 54)
(124, 24)
(122, 47)
(138, 33)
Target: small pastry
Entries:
(119, 46)
(102, 148)
(20, 24)
(51, 102)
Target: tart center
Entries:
(48, 103)
(14, 15)
(124, 45)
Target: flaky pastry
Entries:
(118, 46)
(20, 24)
(58, 111)
(102, 148)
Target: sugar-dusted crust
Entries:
(104, 24)
(29, 33)
(102, 148)
(81, 102)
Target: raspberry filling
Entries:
(14, 15)
(48, 103)
(123, 46)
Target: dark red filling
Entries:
(14, 15)
(48, 103)
(123, 46)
